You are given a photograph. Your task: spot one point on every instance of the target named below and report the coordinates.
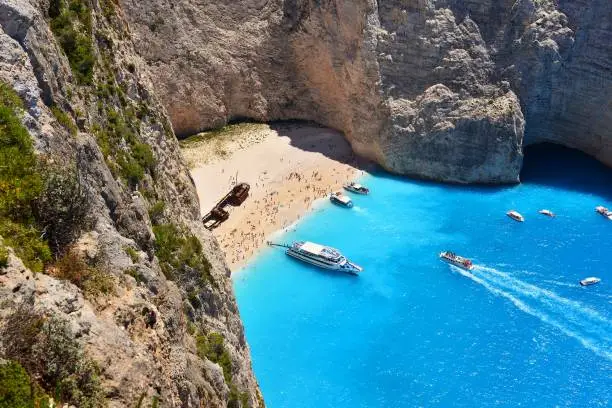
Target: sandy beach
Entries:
(288, 166)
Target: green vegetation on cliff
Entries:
(181, 252)
(92, 280)
(45, 347)
(3, 256)
(118, 138)
(212, 347)
(40, 203)
(64, 119)
(17, 390)
(20, 184)
(71, 24)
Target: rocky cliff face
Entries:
(141, 286)
(442, 89)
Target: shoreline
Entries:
(289, 167)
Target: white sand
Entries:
(288, 168)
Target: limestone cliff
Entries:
(509, 73)
(100, 240)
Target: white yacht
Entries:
(357, 188)
(456, 260)
(547, 213)
(340, 199)
(590, 281)
(322, 256)
(604, 211)
(515, 215)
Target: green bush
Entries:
(180, 252)
(156, 212)
(134, 273)
(27, 244)
(64, 119)
(21, 183)
(211, 347)
(62, 207)
(71, 25)
(194, 299)
(3, 256)
(135, 159)
(237, 399)
(15, 389)
(46, 348)
(132, 253)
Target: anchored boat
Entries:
(357, 188)
(604, 212)
(515, 215)
(589, 281)
(454, 259)
(548, 213)
(321, 256)
(340, 199)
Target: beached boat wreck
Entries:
(237, 195)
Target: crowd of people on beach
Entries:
(274, 206)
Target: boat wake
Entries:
(572, 318)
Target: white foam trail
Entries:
(572, 318)
(567, 285)
(359, 210)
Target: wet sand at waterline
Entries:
(288, 167)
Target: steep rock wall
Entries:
(357, 66)
(142, 334)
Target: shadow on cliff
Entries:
(561, 167)
(312, 137)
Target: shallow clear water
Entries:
(412, 331)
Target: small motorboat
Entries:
(340, 199)
(604, 212)
(548, 213)
(515, 215)
(357, 188)
(456, 260)
(589, 281)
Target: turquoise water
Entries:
(412, 331)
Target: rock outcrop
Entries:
(92, 108)
(366, 66)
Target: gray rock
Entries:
(138, 335)
(346, 64)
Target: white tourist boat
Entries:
(454, 259)
(590, 281)
(357, 188)
(340, 199)
(548, 213)
(322, 256)
(515, 215)
(604, 212)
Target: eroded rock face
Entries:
(355, 66)
(440, 135)
(142, 335)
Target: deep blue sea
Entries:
(412, 331)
